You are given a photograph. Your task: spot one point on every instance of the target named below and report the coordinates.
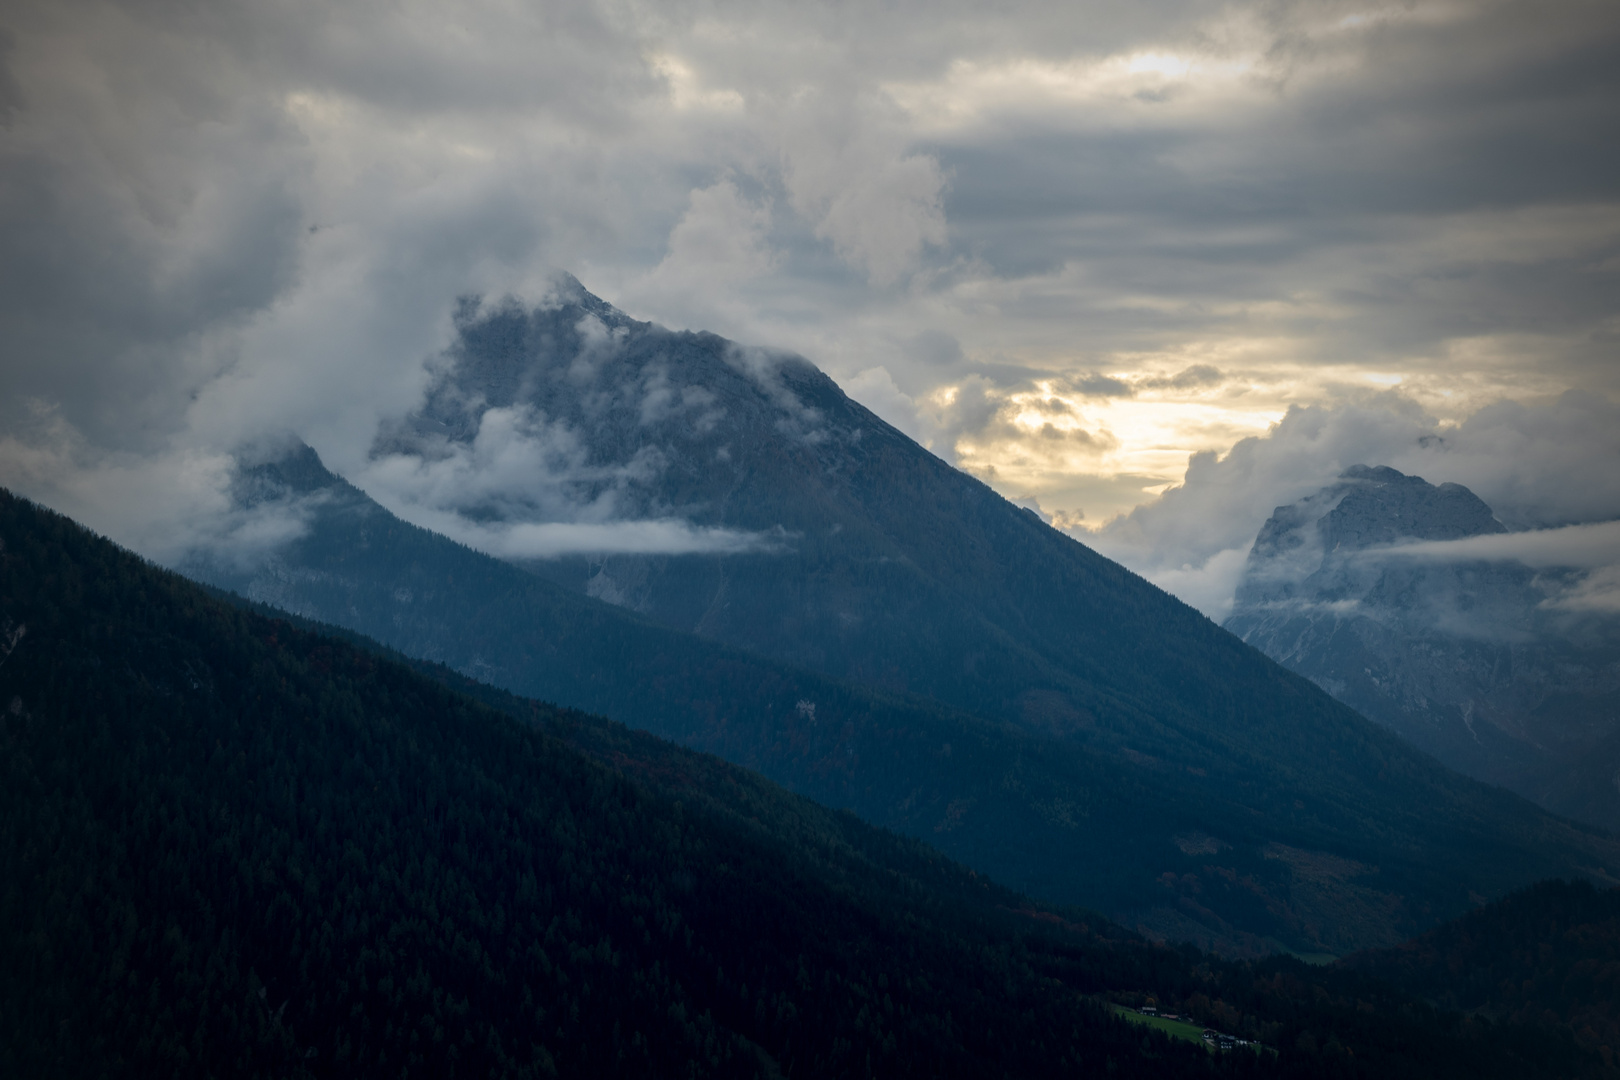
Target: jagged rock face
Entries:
(1463, 657)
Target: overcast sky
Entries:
(1070, 247)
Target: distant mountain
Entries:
(233, 846)
(1463, 657)
(1341, 838)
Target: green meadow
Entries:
(1180, 1029)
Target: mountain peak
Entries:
(1378, 474)
(1381, 506)
(587, 415)
(265, 474)
(1367, 507)
(1460, 655)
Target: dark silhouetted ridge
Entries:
(231, 846)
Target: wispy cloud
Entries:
(1583, 547)
(1592, 550)
(552, 539)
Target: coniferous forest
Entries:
(1548, 954)
(235, 846)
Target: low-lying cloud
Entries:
(1592, 550)
(1597, 593)
(553, 539)
(1583, 547)
(519, 464)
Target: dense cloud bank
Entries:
(1062, 245)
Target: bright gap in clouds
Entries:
(1136, 447)
(1093, 456)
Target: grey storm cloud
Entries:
(1348, 190)
(228, 221)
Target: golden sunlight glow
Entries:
(971, 90)
(1086, 458)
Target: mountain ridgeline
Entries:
(1473, 660)
(231, 846)
(902, 642)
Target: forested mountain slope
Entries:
(1549, 954)
(232, 846)
(1346, 838)
(236, 848)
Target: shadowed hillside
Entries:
(1547, 955)
(232, 846)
